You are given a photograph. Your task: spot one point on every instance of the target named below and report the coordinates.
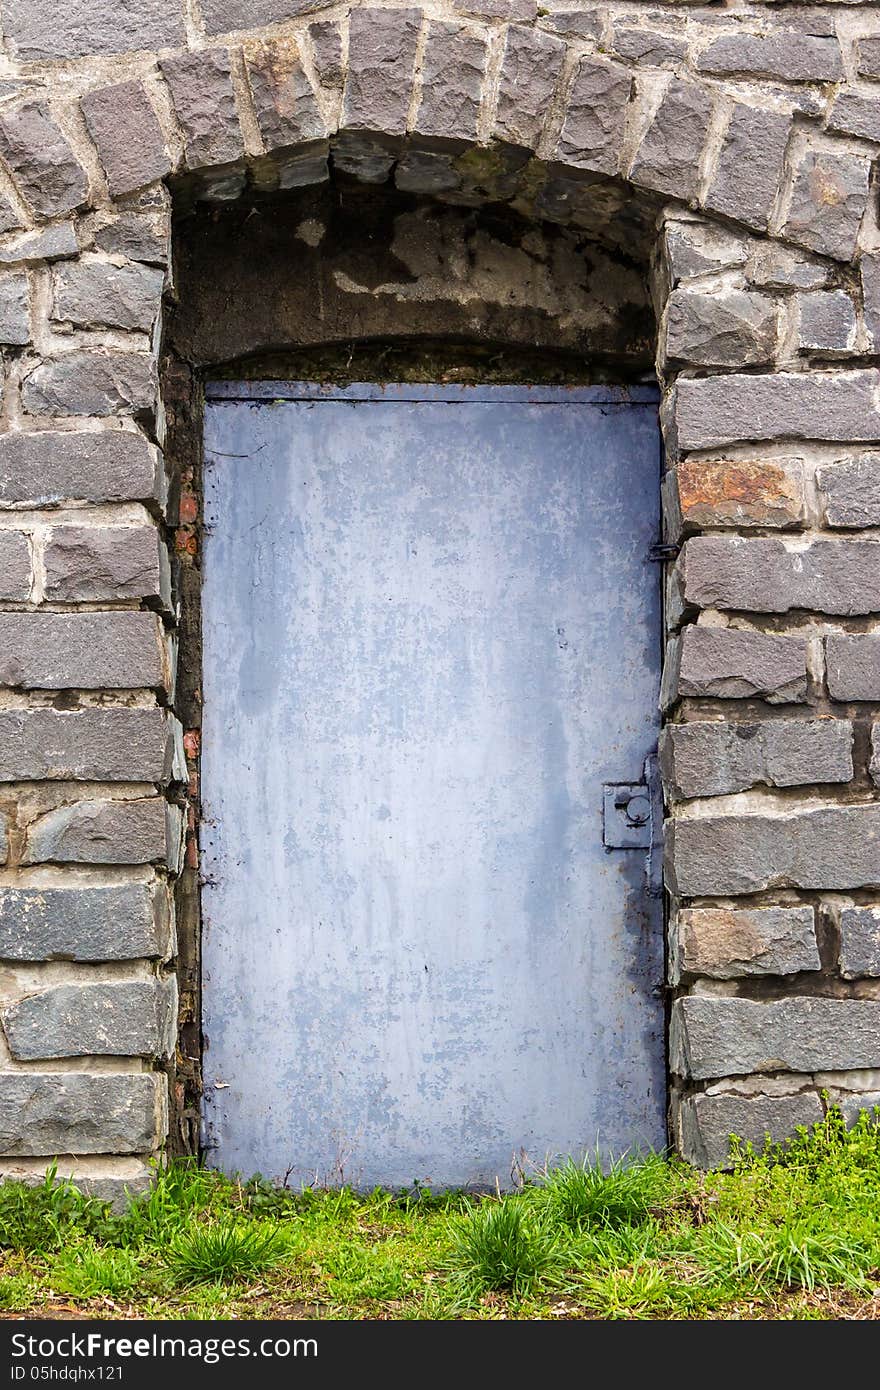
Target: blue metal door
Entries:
(431, 657)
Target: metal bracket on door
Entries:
(632, 818)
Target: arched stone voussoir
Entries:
(609, 210)
(418, 95)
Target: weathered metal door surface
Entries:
(431, 638)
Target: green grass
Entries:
(224, 1252)
(788, 1233)
(509, 1244)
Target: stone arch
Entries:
(679, 145)
(532, 114)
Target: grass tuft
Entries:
(585, 1194)
(88, 1271)
(223, 1253)
(39, 1219)
(504, 1244)
(794, 1255)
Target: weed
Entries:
(38, 1219)
(88, 1270)
(608, 1247)
(221, 1252)
(583, 1194)
(504, 1245)
(179, 1191)
(264, 1198)
(363, 1271)
(829, 1150)
(17, 1292)
(794, 1256)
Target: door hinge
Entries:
(627, 816)
(661, 553)
(632, 818)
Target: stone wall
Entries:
(730, 146)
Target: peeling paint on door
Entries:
(431, 635)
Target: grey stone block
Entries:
(869, 267)
(738, 492)
(592, 132)
(85, 563)
(769, 575)
(855, 115)
(720, 328)
(285, 105)
(828, 200)
(712, 1037)
(304, 167)
(81, 1112)
(730, 664)
(699, 248)
(516, 11)
(119, 921)
(713, 759)
(326, 37)
(10, 220)
(95, 294)
(100, 832)
(15, 309)
(530, 70)
(827, 322)
(852, 663)
(704, 1123)
(132, 1019)
(204, 103)
(222, 16)
(668, 158)
(368, 157)
(646, 47)
(868, 56)
(129, 140)
(91, 745)
(859, 942)
(223, 185)
(453, 69)
(831, 847)
(424, 171)
(785, 55)
(750, 165)
(728, 943)
(381, 64)
(82, 382)
(89, 651)
(138, 236)
(77, 28)
(850, 490)
(874, 764)
(805, 19)
(833, 406)
(15, 567)
(44, 166)
(852, 1105)
(33, 248)
(774, 267)
(570, 24)
(48, 467)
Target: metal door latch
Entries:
(627, 815)
(632, 818)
